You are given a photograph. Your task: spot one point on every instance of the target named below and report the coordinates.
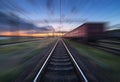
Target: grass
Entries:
(10, 74)
(107, 62)
(16, 39)
(13, 59)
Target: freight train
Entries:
(112, 34)
(90, 31)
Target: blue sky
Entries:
(36, 11)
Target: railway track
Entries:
(60, 66)
(111, 42)
(108, 49)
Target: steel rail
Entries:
(78, 67)
(74, 61)
(44, 64)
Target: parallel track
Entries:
(107, 49)
(60, 66)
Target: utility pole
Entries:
(60, 18)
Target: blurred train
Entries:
(90, 31)
(112, 34)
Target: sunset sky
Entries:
(72, 13)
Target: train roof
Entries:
(88, 23)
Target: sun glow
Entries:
(22, 33)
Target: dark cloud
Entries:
(47, 28)
(42, 29)
(11, 22)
